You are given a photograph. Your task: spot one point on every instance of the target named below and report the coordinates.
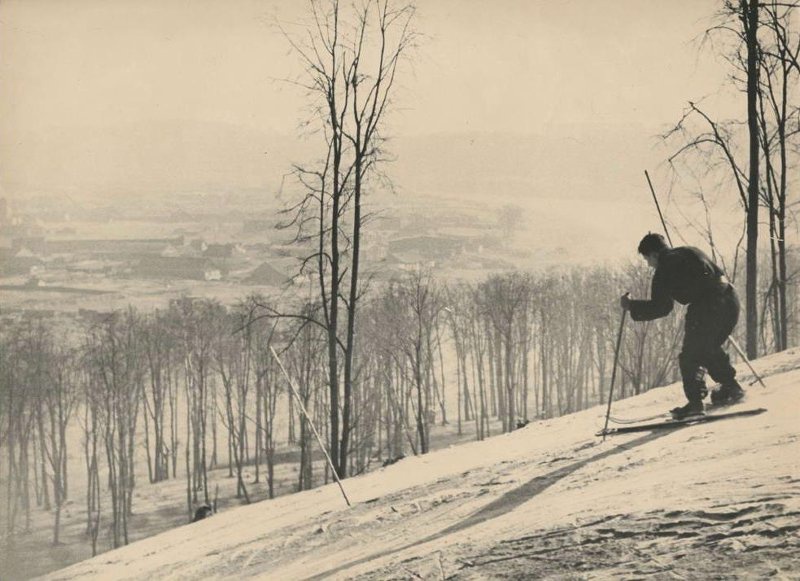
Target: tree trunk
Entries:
(750, 18)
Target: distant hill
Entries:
(182, 156)
(577, 162)
(574, 184)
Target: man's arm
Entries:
(659, 305)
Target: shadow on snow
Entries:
(508, 501)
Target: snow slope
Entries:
(718, 500)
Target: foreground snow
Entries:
(550, 500)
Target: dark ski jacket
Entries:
(684, 274)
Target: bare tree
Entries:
(762, 48)
(233, 355)
(92, 402)
(60, 398)
(196, 327)
(458, 300)
(750, 20)
(268, 384)
(411, 306)
(505, 300)
(19, 416)
(306, 363)
(351, 58)
(779, 125)
(113, 352)
(159, 349)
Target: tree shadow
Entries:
(508, 501)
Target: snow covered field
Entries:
(716, 500)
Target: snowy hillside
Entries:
(716, 499)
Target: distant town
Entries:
(72, 252)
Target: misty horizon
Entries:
(112, 98)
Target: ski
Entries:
(679, 423)
(710, 407)
(616, 420)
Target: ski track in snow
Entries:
(717, 500)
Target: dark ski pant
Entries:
(708, 324)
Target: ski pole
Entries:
(746, 360)
(658, 206)
(311, 423)
(614, 370)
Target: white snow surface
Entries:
(551, 500)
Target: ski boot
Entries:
(691, 409)
(727, 394)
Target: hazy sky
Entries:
(124, 88)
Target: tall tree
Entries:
(351, 55)
(779, 117)
(749, 16)
(758, 43)
(114, 356)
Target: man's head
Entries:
(651, 246)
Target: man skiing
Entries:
(685, 274)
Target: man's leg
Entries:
(693, 375)
(692, 356)
(690, 361)
(726, 315)
(719, 366)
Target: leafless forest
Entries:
(194, 387)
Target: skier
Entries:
(685, 274)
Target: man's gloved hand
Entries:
(625, 301)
